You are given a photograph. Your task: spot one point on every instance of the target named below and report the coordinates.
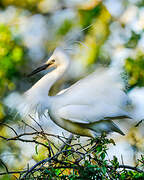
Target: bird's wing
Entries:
(74, 113)
(86, 114)
(101, 86)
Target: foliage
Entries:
(134, 65)
(92, 165)
(28, 4)
(11, 61)
(73, 160)
(133, 40)
(135, 70)
(88, 15)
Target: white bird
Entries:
(88, 108)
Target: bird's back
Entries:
(102, 86)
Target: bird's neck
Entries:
(37, 97)
(43, 86)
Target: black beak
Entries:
(41, 68)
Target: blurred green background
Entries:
(95, 32)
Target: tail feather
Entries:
(105, 126)
(116, 128)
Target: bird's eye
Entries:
(52, 60)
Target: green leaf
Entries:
(104, 169)
(36, 149)
(102, 155)
(99, 148)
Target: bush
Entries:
(72, 160)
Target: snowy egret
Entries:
(88, 108)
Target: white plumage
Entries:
(88, 108)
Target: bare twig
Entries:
(68, 141)
(29, 126)
(36, 123)
(139, 123)
(131, 167)
(6, 168)
(9, 127)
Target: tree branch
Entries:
(131, 167)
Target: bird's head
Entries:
(58, 59)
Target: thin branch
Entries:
(16, 138)
(34, 133)
(6, 168)
(68, 141)
(139, 123)
(9, 127)
(47, 160)
(131, 167)
(30, 126)
(36, 123)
